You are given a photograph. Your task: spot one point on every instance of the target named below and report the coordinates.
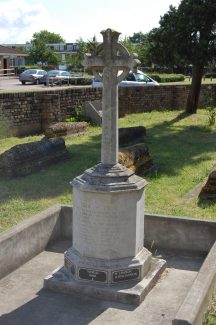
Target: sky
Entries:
(74, 19)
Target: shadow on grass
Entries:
(54, 180)
(172, 148)
(175, 147)
(203, 204)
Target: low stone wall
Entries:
(208, 191)
(131, 135)
(26, 158)
(137, 158)
(62, 129)
(31, 112)
(145, 99)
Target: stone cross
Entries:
(110, 63)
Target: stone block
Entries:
(136, 157)
(63, 129)
(23, 159)
(208, 192)
(128, 292)
(131, 135)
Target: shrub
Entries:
(81, 81)
(212, 115)
(78, 116)
(167, 77)
(210, 75)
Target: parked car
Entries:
(57, 77)
(136, 79)
(32, 75)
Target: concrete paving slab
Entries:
(24, 302)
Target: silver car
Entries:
(57, 77)
(135, 79)
(33, 76)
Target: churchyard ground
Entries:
(183, 149)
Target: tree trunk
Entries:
(193, 96)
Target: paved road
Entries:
(15, 84)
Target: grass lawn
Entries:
(210, 318)
(183, 147)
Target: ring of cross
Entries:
(120, 51)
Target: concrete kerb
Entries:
(195, 304)
(20, 243)
(24, 241)
(181, 234)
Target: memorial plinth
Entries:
(108, 226)
(107, 258)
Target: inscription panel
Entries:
(92, 215)
(125, 275)
(93, 275)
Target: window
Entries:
(141, 77)
(69, 47)
(130, 77)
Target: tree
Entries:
(130, 46)
(138, 43)
(40, 51)
(187, 35)
(83, 47)
(47, 37)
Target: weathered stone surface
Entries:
(23, 159)
(208, 192)
(108, 198)
(136, 157)
(131, 135)
(63, 129)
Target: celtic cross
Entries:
(110, 63)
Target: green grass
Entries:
(183, 147)
(210, 318)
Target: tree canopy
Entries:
(40, 52)
(139, 44)
(187, 35)
(47, 37)
(83, 47)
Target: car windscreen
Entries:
(53, 73)
(30, 71)
(141, 77)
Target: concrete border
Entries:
(192, 311)
(182, 234)
(22, 242)
(27, 239)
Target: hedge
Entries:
(167, 77)
(80, 81)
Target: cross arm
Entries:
(91, 62)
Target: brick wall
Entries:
(32, 112)
(144, 99)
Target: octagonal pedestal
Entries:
(108, 238)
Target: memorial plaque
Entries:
(126, 275)
(93, 275)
